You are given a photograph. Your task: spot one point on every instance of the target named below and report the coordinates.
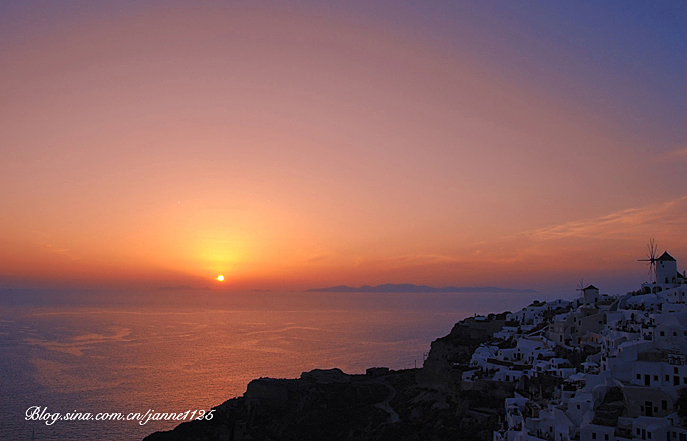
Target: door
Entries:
(649, 408)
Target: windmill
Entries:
(651, 257)
(580, 288)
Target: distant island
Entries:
(411, 288)
(181, 288)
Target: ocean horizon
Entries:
(167, 351)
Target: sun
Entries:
(220, 278)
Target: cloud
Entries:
(62, 251)
(571, 245)
(600, 247)
(678, 154)
(623, 223)
(610, 238)
(319, 258)
(419, 260)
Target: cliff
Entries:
(413, 404)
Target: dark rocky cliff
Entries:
(414, 404)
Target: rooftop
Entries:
(665, 257)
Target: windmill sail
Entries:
(651, 257)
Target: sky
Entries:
(292, 145)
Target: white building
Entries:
(636, 348)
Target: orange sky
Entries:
(289, 149)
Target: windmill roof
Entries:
(666, 257)
(591, 287)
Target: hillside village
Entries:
(600, 367)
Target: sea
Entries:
(177, 351)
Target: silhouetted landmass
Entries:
(430, 403)
(410, 288)
(180, 288)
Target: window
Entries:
(655, 377)
(593, 435)
(675, 370)
(663, 334)
(674, 334)
(648, 409)
(667, 377)
(606, 437)
(639, 376)
(664, 405)
(578, 407)
(639, 432)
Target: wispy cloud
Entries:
(319, 258)
(567, 243)
(419, 259)
(66, 252)
(48, 243)
(678, 154)
(621, 223)
(577, 243)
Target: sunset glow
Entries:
(327, 144)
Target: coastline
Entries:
(601, 366)
(420, 403)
